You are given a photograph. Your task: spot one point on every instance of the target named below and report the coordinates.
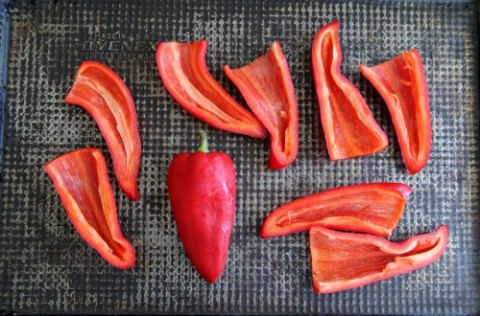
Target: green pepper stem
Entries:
(203, 142)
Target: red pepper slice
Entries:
(349, 127)
(184, 71)
(342, 261)
(81, 180)
(201, 188)
(402, 84)
(267, 87)
(104, 95)
(373, 208)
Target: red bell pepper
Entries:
(349, 127)
(267, 87)
(183, 69)
(342, 261)
(104, 95)
(201, 188)
(401, 83)
(373, 208)
(81, 180)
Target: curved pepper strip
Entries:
(402, 84)
(81, 180)
(348, 125)
(373, 208)
(201, 188)
(342, 261)
(183, 69)
(267, 87)
(104, 95)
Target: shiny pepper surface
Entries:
(201, 188)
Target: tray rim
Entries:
(5, 37)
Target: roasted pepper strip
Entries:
(348, 125)
(184, 71)
(267, 87)
(201, 188)
(104, 95)
(373, 208)
(402, 84)
(81, 180)
(342, 261)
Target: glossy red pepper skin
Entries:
(104, 95)
(267, 87)
(348, 125)
(402, 84)
(81, 180)
(373, 208)
(201, 188)
(342, 261)
(183, 69)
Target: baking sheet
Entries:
(46, 267)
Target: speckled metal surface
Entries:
(46, 267)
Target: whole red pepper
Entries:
(81, 180)
(104, 95)
(201, 188)
(402, 84)
(348, 125)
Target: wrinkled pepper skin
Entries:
(267, 87)
(81, 180)
(402, 84)
(348, 125)
(201, 188)
(104, 95)
(342, 261)
(373, 208)
(183, 69)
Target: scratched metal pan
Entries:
(45, 267)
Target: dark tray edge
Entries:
(5, 11)
(4, 46)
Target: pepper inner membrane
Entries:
(80, 177)
(186, 63)
(105, 96)
(396, 76)
(335, 259)
(379, 208)
(350, 134)
(266, 90)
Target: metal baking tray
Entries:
(45, 267)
